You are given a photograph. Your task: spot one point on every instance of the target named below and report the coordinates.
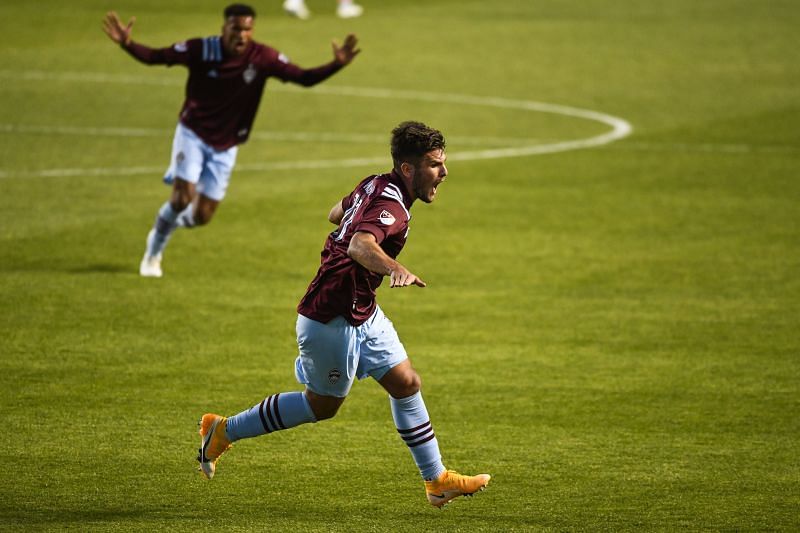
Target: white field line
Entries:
(296, 136)
(619, 127)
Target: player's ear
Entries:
(407, 169)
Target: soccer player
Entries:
(227, 75)
(342, 334)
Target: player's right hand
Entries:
(403, 278)
(116, 31)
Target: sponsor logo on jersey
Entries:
(334, 375)
(249, 74)
(386, 218)
(180, 47)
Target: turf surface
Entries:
(612, 333)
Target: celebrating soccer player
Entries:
(227, 74)
(342, 333)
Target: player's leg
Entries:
(212, 185)
(297, 8)
(412, 420)
(348, 9)
(410, 414)
(322, 367)
(186, 165)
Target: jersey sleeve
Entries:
(383, 217)
(280, 67)
(179, 53)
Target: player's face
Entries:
(428, 175)
(237, 32)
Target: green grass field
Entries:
(611, 332)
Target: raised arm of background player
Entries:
(121, 34)
(366, 251)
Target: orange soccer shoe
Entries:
(451, 485)
(214, 442)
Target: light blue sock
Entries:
(162, 229)
(277, 412)
(414, 425)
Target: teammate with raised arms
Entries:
(227, 76)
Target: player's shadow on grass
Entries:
(103, 268)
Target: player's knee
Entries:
(323, 407)
(324, 412)
(202, 217)
(409, 384)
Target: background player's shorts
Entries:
(332, 355)
(195, 161)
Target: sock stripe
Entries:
(423, 441)
(417, 435)
(278, 412)
(163, 226)
(271, 401)
(261, 415)
(405, 431)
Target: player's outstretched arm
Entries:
(365, 250)
(116, 30)
(344, 54)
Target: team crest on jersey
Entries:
(249, 74)
(386, 218)
(334, 375)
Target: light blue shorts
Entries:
(333, 355)
(195, 161)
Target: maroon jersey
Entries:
(223, 92)
(342, 287)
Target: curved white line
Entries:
(620, 128)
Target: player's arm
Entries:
(365, 250)
(121, 34)
(336, 214)
(342, 56)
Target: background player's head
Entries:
(237, 31)
(418, 156)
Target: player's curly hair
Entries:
(412, 140)
(239, 10)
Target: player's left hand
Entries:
(115, 29)
(344, 54)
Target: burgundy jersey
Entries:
(223, 92)
(342, 287)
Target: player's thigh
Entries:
(381, 349)
(328, 356)
(216, 174)
(187, 159)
